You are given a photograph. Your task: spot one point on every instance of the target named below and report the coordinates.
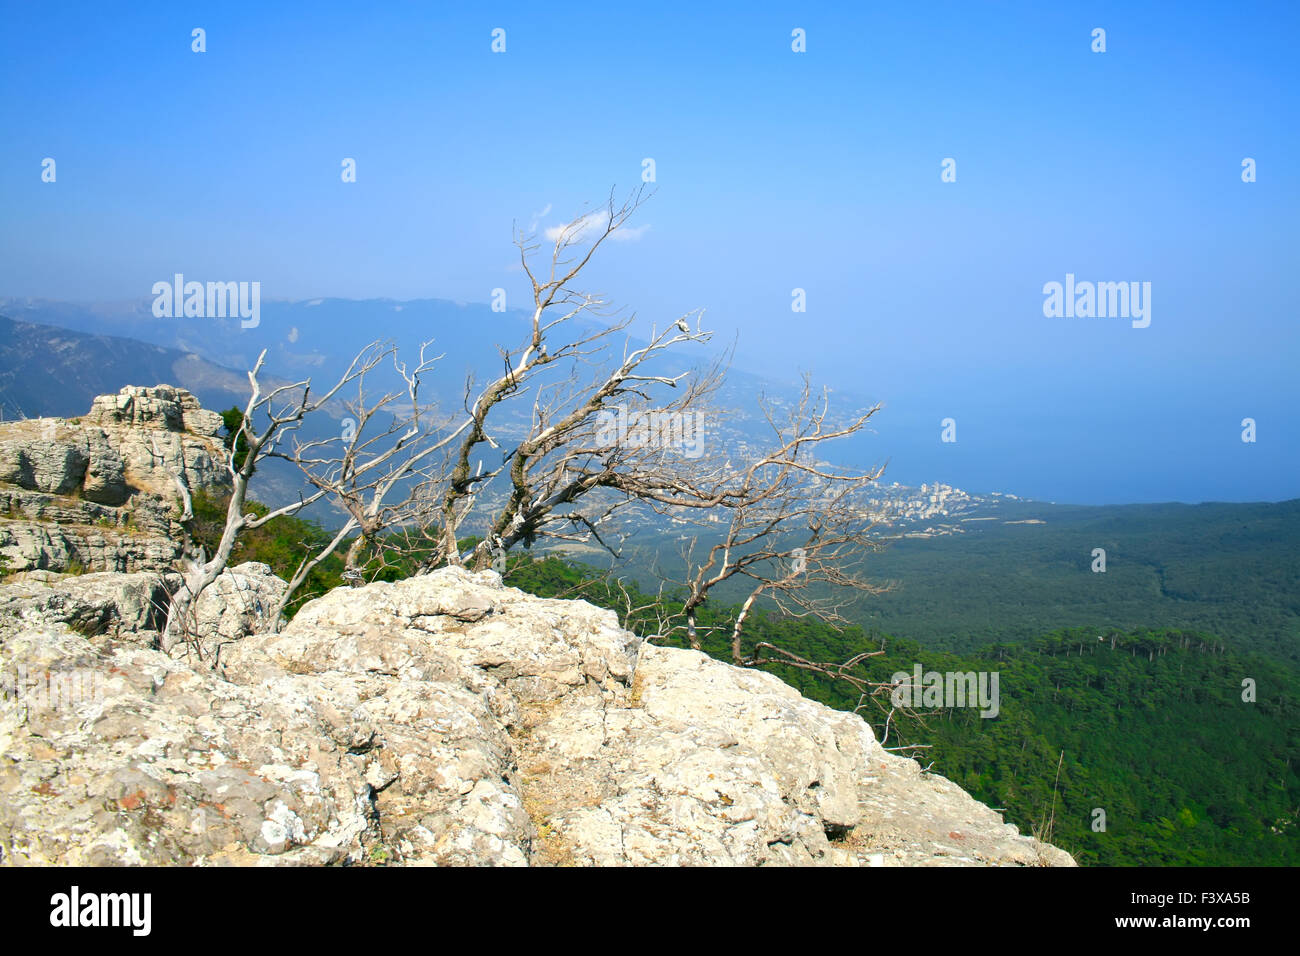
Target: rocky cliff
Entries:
(103, 492)
(444, 719)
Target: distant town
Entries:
(908, 507)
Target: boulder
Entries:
(449, 720)
(241, 601)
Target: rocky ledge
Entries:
(444, 719)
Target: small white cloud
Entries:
(583, 229)
(293, 334)
(591, 225)
(629, 233)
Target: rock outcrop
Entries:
(102, 493)
(444, 719)
(133, 607)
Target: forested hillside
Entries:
(1226, 569)
(1149, 727)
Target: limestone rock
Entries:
(101, 492)
(132, 607)
(161, 407)
(241, 601)
(447, 720)
(915, 819)
(148, 761)
(698, 763)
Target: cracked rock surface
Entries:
(447, 720)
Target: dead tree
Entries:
(571, 467)
(267, 419)
(633, 437)
(572, 431)
(797, 530)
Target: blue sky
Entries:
(775, 170)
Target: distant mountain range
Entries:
(315, 338)
(57, 356)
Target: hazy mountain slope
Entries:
(317, 338)
(47, 371)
